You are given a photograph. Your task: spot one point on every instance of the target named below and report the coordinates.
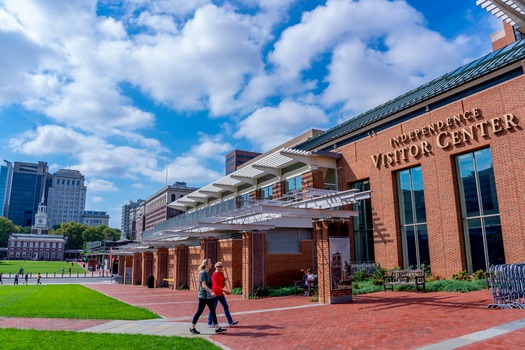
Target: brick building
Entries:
(433, 177)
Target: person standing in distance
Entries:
(218, 281)
(205, 297)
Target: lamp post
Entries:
(104, 256)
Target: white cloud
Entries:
(211, 147)
(268, 127)
(97, 199)
(204, 67)
(52, 139)
(100, 185)
(377, 49)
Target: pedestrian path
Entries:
(391, 320)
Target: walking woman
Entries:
(206, 296)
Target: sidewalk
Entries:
(391, 320)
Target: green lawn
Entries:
(62, 340)
(34, 267)
(65, 301)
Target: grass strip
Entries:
(34, 267)
(65, 340)
(66, 301)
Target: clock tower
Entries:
(40, 225)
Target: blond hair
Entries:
(203, 264)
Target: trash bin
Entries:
(151, 281)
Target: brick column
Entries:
(253, 253)
(122, 268)
(136, 274)
(180, 271)
(160, 261)
(147, 266)
(322, 232)
(209, 249)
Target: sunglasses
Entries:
(218, 266)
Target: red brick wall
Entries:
(195, 259)
(444, 221)
(283, 269)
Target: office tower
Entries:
(6, 176)
(236, 158)
(67, 197)
(95, 218)
(27, 187)
(125, 228)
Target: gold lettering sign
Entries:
(405, 145)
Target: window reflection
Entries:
(413, 217)
(480, 210)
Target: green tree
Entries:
(93, 233)
(111, 234)
(74, 233)
(6, 228)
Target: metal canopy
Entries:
(272, 165)
(510, 11)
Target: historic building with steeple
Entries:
(38, 245)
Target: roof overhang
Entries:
(272, 164)
(510, 11)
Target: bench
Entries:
(168, 282)
(300, 285)
(414, 278)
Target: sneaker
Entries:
(233, 323)
(220, 330)
(194, 331)
(211, 326)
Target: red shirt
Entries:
(217, 283)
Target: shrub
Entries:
(461, 286)
(377, 277)
(360, 275)
(236, 291)
(183, 286)
(479, 275)
(259, 292)
(461, 276)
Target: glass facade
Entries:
(267, 192)
(413, 218)
(363, 226)
(26, 193)
(293, 184)
(480, 210)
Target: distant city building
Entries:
(157, 209)
(237, 158)
(95, 218)
(6, 175)
(38, 245)
(137, 221)
(28, 184)
(125, 222)
(67, 197)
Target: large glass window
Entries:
(267, 192)
(363, 226)
(293, 184)
(480, 210)
(413, 218)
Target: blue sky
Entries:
(128, 92)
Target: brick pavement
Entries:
(392, 320)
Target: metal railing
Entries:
(508, 286)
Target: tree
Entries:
(6, 228)
(74, 233)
